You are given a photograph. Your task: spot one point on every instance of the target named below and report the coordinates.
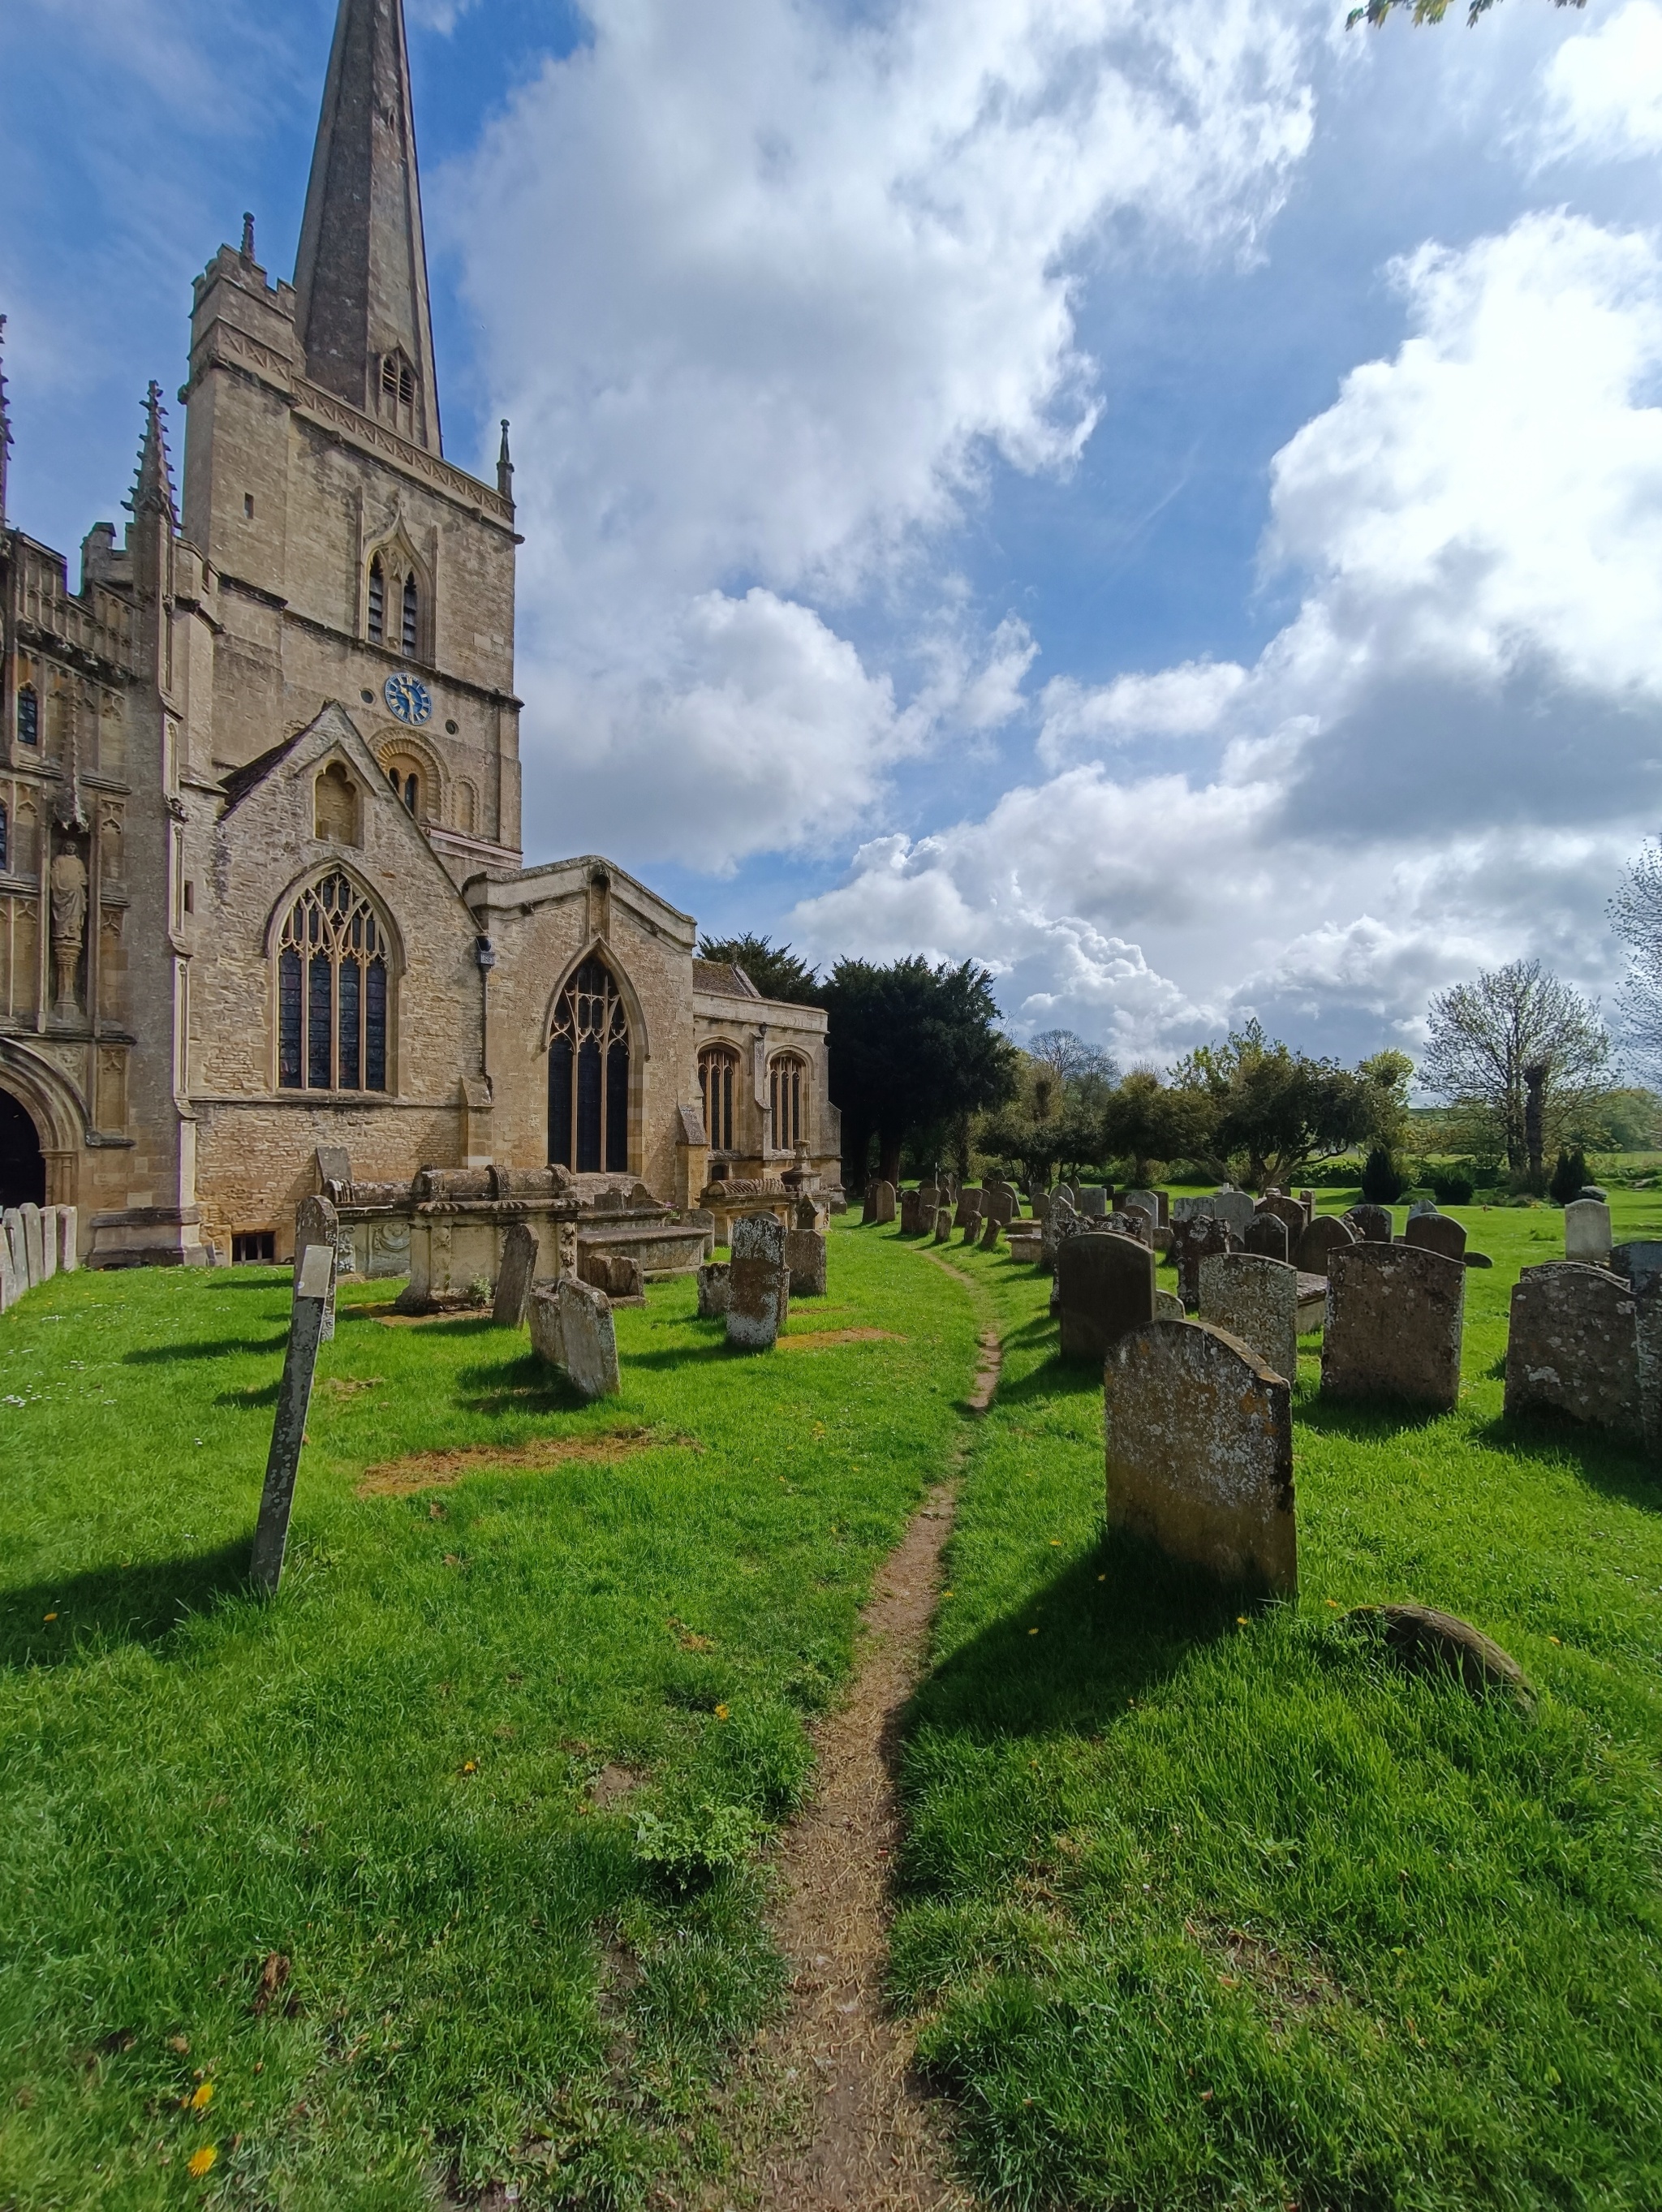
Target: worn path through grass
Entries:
(486, 1784)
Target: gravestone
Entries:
(48, 1243)
(314, 1285)
(1005, 1207)
(619, 1274)
(1256, 1299)
(1025, 1241)
(991, 1232)
(882, 1203)
(69, 1240)
(334, 1164)
(1372, 1224)
(10, 1288)
(1041, 1202)
(1421, 1205)
(1639, 1263)
(1194, 1239)
(1168, 1306)
(1289, 1213)
(805, 1263)
(1092, 1200)
(1234, 1207)
(1325, 1235)
(17, 1245)
(1133, 1221)
(807, 1215)
(758, 1282)
(972, 1228)
(1393, 1324)
(33, 1242)
(968, 1208)
(572, 1328)
(911, 1207)
(1307, 1199)
(1148, 1200)
(1200, 1453)
(712, 1291)
(1573, 1343)
(1265, 1234)
(943, 1224)
(1106, 1286)
(1060, 1224)
(514, 1276)
(316, 1221)
(1587, 1232)
(1436, 1232)
(1066, 1190)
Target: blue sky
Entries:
(1169, 505)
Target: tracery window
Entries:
(589, 1075)
(377, 602)
(718, 1080)
(410, 611)
(787, 1079)
(332, 991)
(29, 716)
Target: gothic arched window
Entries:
(332, 991)
(787, 1091)
(377, 602)
(5, 825)
(29, 716)
(411, 608)
(589, 1075)
(718, 1081)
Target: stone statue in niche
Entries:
(69, 929)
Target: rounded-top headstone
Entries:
(1573, 1345)
(1265, 1234)
(1392, 1329)
(1325, 1235)
(1256, 1299)
(1372, 1224)
(1437, 1233)
(1105, 1285)
(1587, 1231)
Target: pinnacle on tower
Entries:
(361, 276)
(5, 424)
(153, 492)
(505, 466)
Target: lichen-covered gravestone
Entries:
(1105, 1285)
(572, 1328)
(314, 1284)
(1573, 1345)
(1587, 1232)
(1256, 1299)
(712, 1290)
(1436, 1232)
(943, 1224)
(1168, 1306)
(1325, 1234)
(48, 1243)
(514, 1275)
(1371, 1224)
(10, 1288)
(758, 1282)
(1060, 1224)
(316, 1221)
(1200, 1453)
(33, 1242)
(1233, 1207)
(1148, 1199)
(805, 1263)
(1265, 1234)
(1393, 1324)
(1194, 1238)
(911, 1211)
(17, 1246)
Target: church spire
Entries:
(5, 426)
(360, 277)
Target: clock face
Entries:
(409, 698)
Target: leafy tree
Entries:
(1279, 1112)
(1069, 1058)
(1028, 1146)
(1635, 915)
(1391, 1072)
(1629, 1121)
(775, 971)
(1524, 1049)
(1383, 1181)
(1147, 1122)
(1429, 11)
(911, 1047)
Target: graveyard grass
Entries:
(489, 1776)
(1201, 1910)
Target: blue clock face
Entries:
(409, 698)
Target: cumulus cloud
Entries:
(767, 288)
(1602, 92)
(1436, 764)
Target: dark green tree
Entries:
(1383, 1181)
(1147, 1122)
(775, 971)
(1569, 1176)
(913, 1049)
(1280, 1113)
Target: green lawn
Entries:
(1205, 1911)
(386, 1777)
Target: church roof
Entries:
(361, 276)
(241, 781)
(726, 980)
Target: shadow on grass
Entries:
(1367, 1420)
(140, 1604)
(1055, 1379)
(1613, 1466)
(525, 1385)
(1109, 1628)
(222, 1347)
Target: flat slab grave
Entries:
(1256, 1300)
(1572, 1346)
(1200, 1453)
(1393, 1326)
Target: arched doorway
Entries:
(22, 1164)
(589, 1075)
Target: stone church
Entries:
(261, 881)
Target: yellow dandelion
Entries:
(945, 1593)
(1032, 1631)
(1240, 1620)
(1056, 1543)
(1333, 1602)
(52, 1616)
(721, 1712)
(204, 2097)
(1102, 1578)
(1553, 1640)
(470, 1767)
(200, 2161)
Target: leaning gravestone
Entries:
(1421, 1205)
(17, 1245)
(1265, 1234)
(991, 1233)
(1148, 1200)
(1372, 1224)
(1106, 1286)
(943, 1224)
(1200, 1453)
(805, 1263)
(572, 1328)
(712, 1291)
(1325, 1235)
(1393, 1324)
(33, 1242)
(314, 1284)
(758, 1282)
(1066, 1190)
(1436, 1232)
(1093, 1199)
(514, 1275)
(10, 1289)
(1587, 1232)
(1194, 1239)
(1573, 1345)
(316, 1221)
(69, 1240)
(1256, 1300)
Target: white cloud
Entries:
(1440, 760)
(1602, 92)
(765, 289)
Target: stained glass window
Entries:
(332, 991)
(589, 1075)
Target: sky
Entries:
(1166, 503)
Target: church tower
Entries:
(353, 562)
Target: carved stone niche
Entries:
(599, 904)
(336, 812)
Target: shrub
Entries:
(1383, 1181)
(1452, 1186)
(1568, 1176)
